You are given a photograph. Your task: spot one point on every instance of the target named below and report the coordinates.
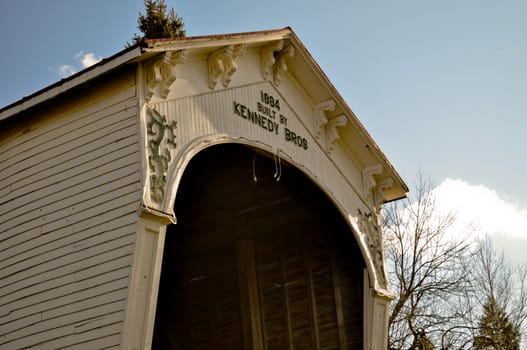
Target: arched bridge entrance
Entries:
(260, 259)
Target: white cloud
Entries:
(503, 221)
(66, 70)
(87, 59)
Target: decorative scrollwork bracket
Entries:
(161, 73)
(332, 132)
(222, 64)
(374, 188)
(161, 139)
(369, 226)
(320, 115)
(274, 58)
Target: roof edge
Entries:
(335, 94)
(70, 82)
(126, 55)
(159, 45)
(204, 41)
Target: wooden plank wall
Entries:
(69, 193)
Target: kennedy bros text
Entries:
(267, 116)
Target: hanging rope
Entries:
(277, 165)
(255, 179)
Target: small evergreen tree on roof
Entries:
(157, 23)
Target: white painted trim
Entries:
(185, 156)
(142, 124)
(144, 283)
(213, 41)
(148, 256)
(376, 308)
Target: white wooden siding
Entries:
(69, 194)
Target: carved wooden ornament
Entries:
(161, 73)
(369, 227)
(332, 132)
(222, 64)
(161, 139)
(320, 116)
(274, 58)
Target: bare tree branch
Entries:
(428, 267)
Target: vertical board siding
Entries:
(69, 193)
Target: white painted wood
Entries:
(52, 245)
(66, 314)
(67, 264)
(93, 319)
(86, 280)
(66, 168)
(40, 134)
(145, 276)
(74, 209)
(58, 155)
(69, 194)
(26, 310)
(51, 198)
(207, 117)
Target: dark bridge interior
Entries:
(262, 264)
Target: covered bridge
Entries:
(209, 192)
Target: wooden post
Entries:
(144, 282)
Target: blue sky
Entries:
(440, 85)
